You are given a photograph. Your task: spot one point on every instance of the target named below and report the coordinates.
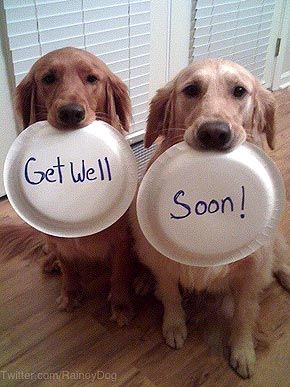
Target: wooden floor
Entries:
(40, 345)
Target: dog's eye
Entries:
(49, 79)
(239, 91)
(192, 90)
(92, 79)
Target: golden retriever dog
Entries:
(72, 88)
(213, 104)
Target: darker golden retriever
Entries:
(71, 88)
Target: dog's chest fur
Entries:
(213, 279)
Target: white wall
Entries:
(8, 127)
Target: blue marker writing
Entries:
(183, 205)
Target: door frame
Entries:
(169, 46)
(274, 63)
(8, 126)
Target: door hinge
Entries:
(277, 50)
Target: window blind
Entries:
(117, 31)
(238, 30)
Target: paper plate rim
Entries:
(199, 260)
(70, 232)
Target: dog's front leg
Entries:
(174, 323)
(72, 291)
(246, 306)
(121, 278)
(51, 263)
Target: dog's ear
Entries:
(264, 114)
(118, 105)
(25, 100)
(161, 114)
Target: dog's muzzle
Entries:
(214, 135)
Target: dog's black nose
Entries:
(71, 114)
(214, 135)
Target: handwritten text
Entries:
(78, 172)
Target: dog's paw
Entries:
(174, 333)
(51, 265)
(68, 302)
(242, 360)
(122, 313)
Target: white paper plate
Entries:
(70, 183)
(210, 208)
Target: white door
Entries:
(277, 74)
(281, 78)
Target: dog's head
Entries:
(213, 104)
(71, 88)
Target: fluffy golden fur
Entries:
(205, 92)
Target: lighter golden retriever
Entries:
(71, 88)
(213, 104)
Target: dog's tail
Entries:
(19, 239)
